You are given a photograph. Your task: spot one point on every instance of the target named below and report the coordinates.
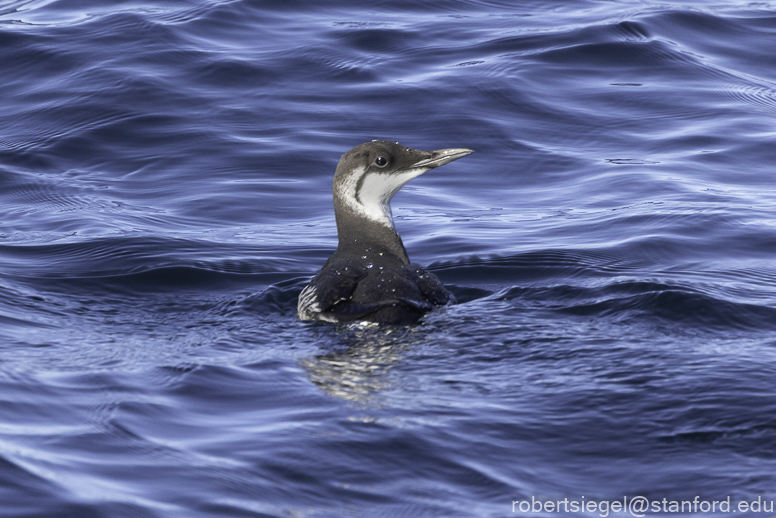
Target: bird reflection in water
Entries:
(361, 370)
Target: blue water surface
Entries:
(165, 193)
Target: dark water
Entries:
(165, 173)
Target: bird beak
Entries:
(442, 157)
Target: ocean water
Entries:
(165, 192)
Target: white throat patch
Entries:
(373, 198)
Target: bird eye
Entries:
(381, 161)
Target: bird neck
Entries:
(357, 233)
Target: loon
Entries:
(370, 278)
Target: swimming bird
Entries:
(370, 278)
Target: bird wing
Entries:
(431, 287)
(329, 295)
(328, 288)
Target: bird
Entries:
(370, 278)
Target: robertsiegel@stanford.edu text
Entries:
(640, 506)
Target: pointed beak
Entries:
(442, 157)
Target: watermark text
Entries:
(640, 506)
